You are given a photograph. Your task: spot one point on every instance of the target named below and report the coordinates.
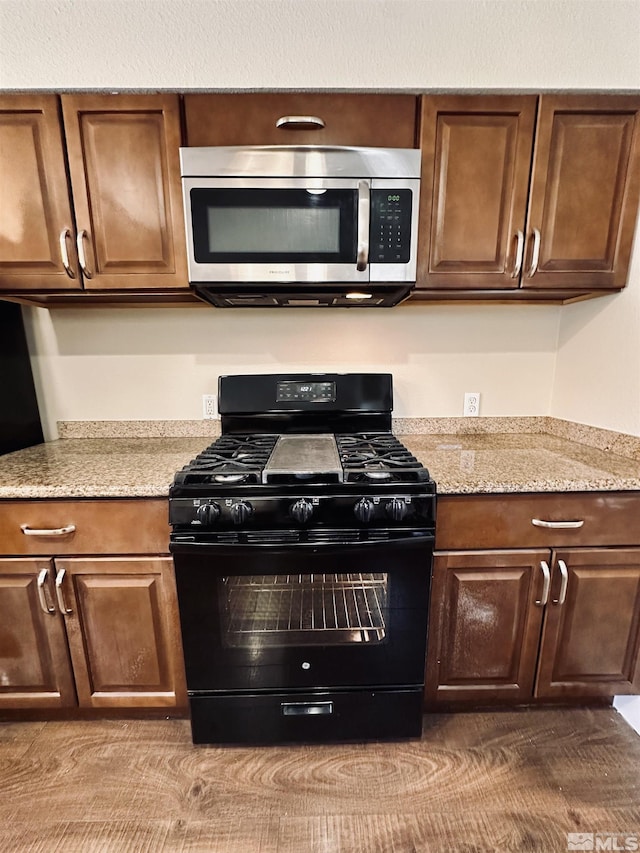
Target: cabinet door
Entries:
(476, 160)
(35, 213)
(122, 624)
(297, 118)
(125, 175)
(584, 192)
(35, 670)
(591, 639)
(486, 613)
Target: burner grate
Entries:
(378, 457)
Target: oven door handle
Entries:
(414, 540)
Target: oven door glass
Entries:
(271, 225)
(304, 616)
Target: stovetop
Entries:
(369, 459)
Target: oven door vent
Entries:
(274, 536)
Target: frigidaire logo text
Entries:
(603, 841)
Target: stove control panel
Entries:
(301, 511)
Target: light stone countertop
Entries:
(96, 467)
(470, 463)
(526, 462)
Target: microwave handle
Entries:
(364, 215)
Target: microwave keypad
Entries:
(390, 229)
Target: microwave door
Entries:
(278, 230)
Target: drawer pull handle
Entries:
(306, 709)
(300, 122)
(546, 574)
(565, 581)
(55, 531)
(42, 579)
(557, 525)
(61, 602)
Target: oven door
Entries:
(305, 615)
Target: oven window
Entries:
(260, 611)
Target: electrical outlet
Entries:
(209, 407)
(471, 404)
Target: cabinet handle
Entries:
(535, 254)
(546, 574)
(565, 580)
(61, 602)
(55, 531)
(557, 525)
(42, 579)
(517, 266)
(364, 213)
(298, 122)
(64, 254)
(81, 255)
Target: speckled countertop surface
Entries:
(484, 463)
(96, 467)
(466, 464)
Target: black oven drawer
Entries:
(306, 717)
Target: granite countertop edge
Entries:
(537, 456)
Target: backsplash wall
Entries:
(155, 363)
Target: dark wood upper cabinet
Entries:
(36, 222)
(118, 224)
(125, 178)
(577, 163)
(475, 178)
(585, 189)
(270, 118)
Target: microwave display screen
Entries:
(261, 230)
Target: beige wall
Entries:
(156, 364)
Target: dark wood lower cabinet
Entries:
(104, 629)
(497, 635)
(35, 668)
(591, 641)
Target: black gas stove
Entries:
(302, 541)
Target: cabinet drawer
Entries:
(101, 527)
(506, 521)
(250, 119)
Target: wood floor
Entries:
(502, 781)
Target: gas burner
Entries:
(230, 460)
(378, 457)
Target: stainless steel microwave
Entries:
(301, 226)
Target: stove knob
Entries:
(396, 509)
(241, 512)
(208, 514)
(301, 510)
(364, 510)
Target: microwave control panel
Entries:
(390, 229)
